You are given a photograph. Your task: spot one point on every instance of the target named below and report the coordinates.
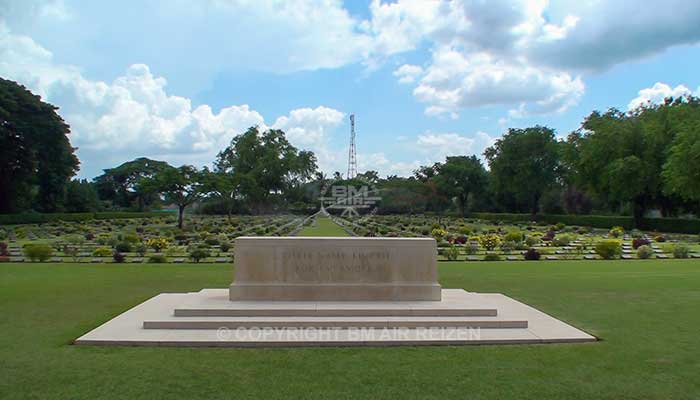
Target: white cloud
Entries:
(135, 116)
(441, 145)
(309, 126)
(658, 93)
(527, 53)
(408, 73)
(454, 81)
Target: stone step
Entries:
(337, 311)
(331, 322)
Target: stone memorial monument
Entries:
(294, 291)
(341, 269)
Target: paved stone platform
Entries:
(208, 318)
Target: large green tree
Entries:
(124, 184)
(681, 172)
(265, 165)
(524, 164)
(36, 157)
(179, 186)
(460, 177)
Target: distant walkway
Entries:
(323, 226)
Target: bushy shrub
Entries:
(199, 254)
(141, 249)
(489, 241)
(131, 238)
(492, 257)
(460, 240)
(681, 251)
(74, 239)
(547, 237)
(225, 246)
(38, 252)
(211, 241)
(561, 240)
(438, 233)
(608, 249)
(123, 247)
(452, 253)
(644, 252)
(617, 231)
(465, 230)
(513, 236)
(157, 259)
(559, 226)
(471, 248)
(158, 243)
(102, 252)
(639, 242)
(532, 240)
(532, 255)
(118, 257)
(660, 238)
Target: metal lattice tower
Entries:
(352, 156)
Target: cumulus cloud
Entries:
(658, 93)
(408, 73)
(527, 53)
(134, 114)
(309, 126)
(454, 81)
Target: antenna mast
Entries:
(352, 156)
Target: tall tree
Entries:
(81, 196)
(266, 165)
(224, 186)
(35, 152)
(460, 177)
(180, 186)
(681, 172)
(524, 164)
(124, 184)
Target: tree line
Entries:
(625, 163)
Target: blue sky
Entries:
(175, 79)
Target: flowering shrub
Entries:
(617, 231)
(639, 242)
(532, 255)
(438, 233)
(490, 241)
(118, 257)
(158, 244)
(102, 252)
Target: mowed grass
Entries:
(646, 312)
(324, 226)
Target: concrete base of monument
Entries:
(208, 318)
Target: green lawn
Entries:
(645, 312)
(324, 227)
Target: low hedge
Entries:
(676, 225)
(37, 218)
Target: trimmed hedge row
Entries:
(37, 218)
(675, 225)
